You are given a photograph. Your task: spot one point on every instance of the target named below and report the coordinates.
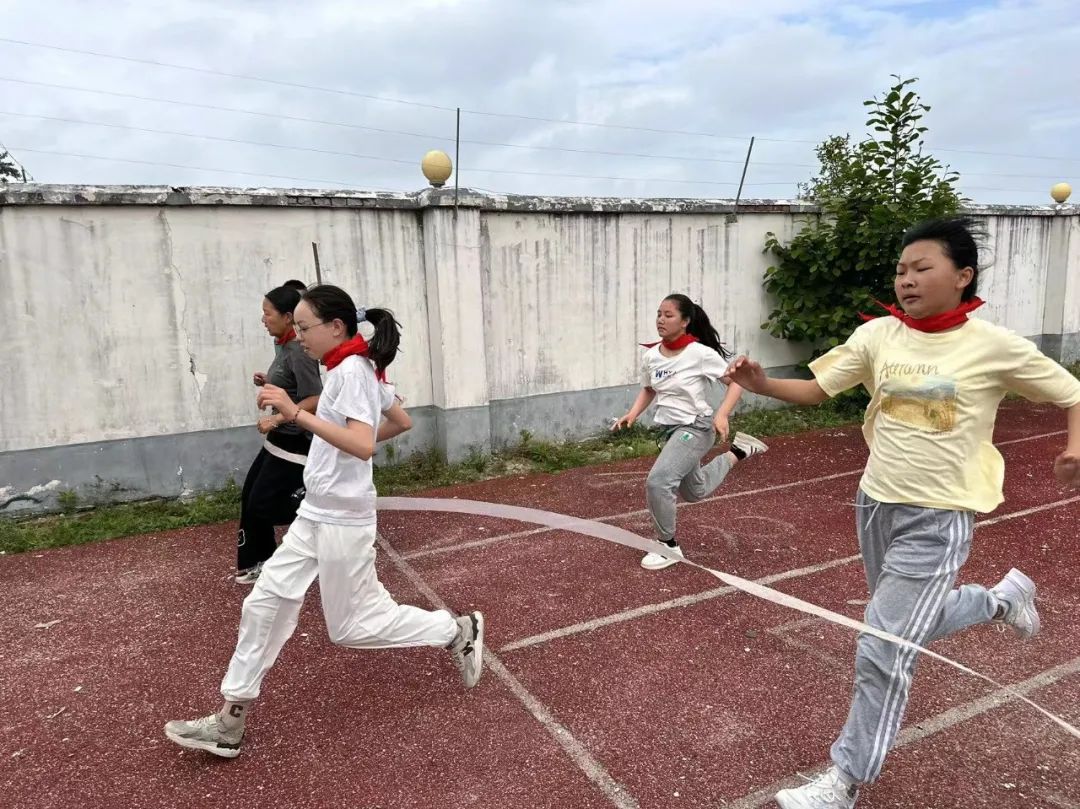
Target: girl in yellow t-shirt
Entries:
(936, 379)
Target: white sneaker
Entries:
(749, 444)
(1017, 592)
(250, 575)
(827, 791)
(467, 648)
(654, 561)
(208, 733)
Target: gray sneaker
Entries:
(467, 648)
(209, 734)
(1017, 592)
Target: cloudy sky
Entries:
(597, 97)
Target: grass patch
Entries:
(108, 522)
(421, 471)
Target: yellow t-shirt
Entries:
(930, 421)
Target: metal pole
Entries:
(318, 269)
(742, 179)
(457, 157)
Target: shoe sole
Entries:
(478, 651)
(208, 747)
(666, 563)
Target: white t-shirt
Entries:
(680, 382)
(339, 487)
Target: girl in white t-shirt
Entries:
(675, 372)
(333, 536)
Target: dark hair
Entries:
(299, 286)
(333, 303)
(283, 299)
(959, 238)
(699, 325)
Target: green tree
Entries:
(869, 193)
(9, 169)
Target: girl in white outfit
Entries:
(333, 536)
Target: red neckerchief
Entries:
(354, 346)
(946, 320)
(673, 345)
(289, 335)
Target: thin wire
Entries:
(193, 168)
(388, 99)
(378, 188)
(385, 159)
(391, 100)
(381, 130)
(211, 137)
(211, 72)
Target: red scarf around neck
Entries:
(673, 345)
(941, 322)
(354, 346)
(283, 339)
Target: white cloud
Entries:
(791, 72)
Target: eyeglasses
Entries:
(303, 329)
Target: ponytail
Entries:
(383, 345)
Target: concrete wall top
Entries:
(24, 194)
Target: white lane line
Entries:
(716, 592)
(1012, 515)
(929, 727)
(674, 603)
(615, 792)
(481, 543)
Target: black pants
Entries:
(268, 500)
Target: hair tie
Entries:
(361, 315)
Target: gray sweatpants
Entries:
(912, 556)
(678, 469)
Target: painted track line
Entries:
(615, 792)
(717, 592)
(929, 727)
(481, 543)
(663, 606)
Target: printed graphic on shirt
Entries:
(927, 403)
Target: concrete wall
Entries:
(133, 326)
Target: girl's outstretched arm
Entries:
(721, 417)
(751, 376)
(643, 400)
(1067, 464)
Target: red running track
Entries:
(608, 685)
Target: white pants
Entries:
(359, 612)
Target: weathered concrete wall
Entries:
(133, 313)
